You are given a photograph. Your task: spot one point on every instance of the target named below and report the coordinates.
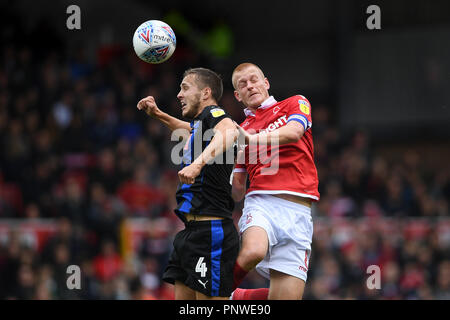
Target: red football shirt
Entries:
(289, 168)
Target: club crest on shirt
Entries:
(217, 112)
(249, 218)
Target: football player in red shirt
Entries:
(276, 224)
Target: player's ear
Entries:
(266, 84)
(236, 95)
(206, 93)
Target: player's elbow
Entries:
(292, 132)
(298, 133)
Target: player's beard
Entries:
(193, 107)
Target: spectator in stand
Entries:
(108, 263)
(104, 172)
(68, 235)
(442, 290)
(105, 213)
(141, 198)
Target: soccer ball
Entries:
(154, 41)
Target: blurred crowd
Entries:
(76, 151)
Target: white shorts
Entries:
(289, 228)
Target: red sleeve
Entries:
(300, 111)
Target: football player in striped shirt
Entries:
(201, 264)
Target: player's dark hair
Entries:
(207, 78)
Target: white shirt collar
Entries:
(270, 101)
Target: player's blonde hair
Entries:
(244, 66)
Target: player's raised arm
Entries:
(150, 107)
(225, 134)
(224, 138)
(297, 123)
(291, 132)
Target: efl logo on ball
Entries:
(154, 41)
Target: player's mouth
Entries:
(183, 105)
(253, 94)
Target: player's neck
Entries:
(253, 109)
(265, 101)
(204, 104)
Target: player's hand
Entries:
(188, 174)
(248, 138)
(242, 133)
(148, 104)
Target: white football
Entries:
(154, 41)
